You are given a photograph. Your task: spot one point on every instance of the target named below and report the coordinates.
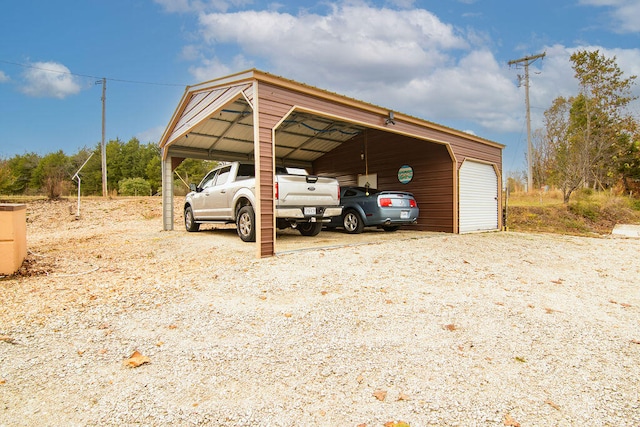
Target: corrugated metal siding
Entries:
(478, 197)
(265, 163)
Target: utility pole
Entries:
(103, 147)
(527, 60)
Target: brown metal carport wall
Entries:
(264, 118)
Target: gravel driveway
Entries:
(373, 330)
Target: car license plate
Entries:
(309, 211)
(404, 215)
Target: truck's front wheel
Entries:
(309, 228)
(245, 224)
(189, 221)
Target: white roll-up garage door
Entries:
(478, 197)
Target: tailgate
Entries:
(307, 190)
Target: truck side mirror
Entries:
(193, 187)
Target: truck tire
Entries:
(246, 224)
(309, 228)
(352, 222)
(189, 221)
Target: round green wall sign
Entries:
(405, 174)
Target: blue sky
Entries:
(442, 60)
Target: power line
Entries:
(90, 76)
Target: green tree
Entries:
(91, 173)
(153, 173)
(6, 176)
(21, 169)
(583, 143)
(599, 115)
(628, 161)
(52, 174)
(134, 187)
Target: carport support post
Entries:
(167, 194)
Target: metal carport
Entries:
(257, 116)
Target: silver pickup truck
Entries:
(227, 195)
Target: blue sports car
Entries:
(368, 207)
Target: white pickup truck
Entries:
(227, 195)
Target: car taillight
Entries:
(276, 190)
(385, 202)
(338, 193)
(413, 204)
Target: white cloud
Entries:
(151, 135)
(49, 79)
(623, 13)
(406, 60)
(183, 6)
(214, 68)
(3, 77)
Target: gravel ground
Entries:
(380, 329)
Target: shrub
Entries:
(134, 187)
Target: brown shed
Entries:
(253, 115)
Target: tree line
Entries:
(588, 140)
(132, 169)
(591, 139)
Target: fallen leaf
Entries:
(557, 282)
(521, 359)
(549, 310)
(499, 303)
(388, 301)
(450, 327)
(509, 421)
(625, 305)
(136, 359)
(288, 315)
(360, 379)
(381, 395)
(635, 341)
(362, 425)
(7, 339)
(324, 292)
(172, 327)
(553, 405)
(396, 424)
(403, 396)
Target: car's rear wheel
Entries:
(309, 228)
(352, 222)
(189, 221)
(245, 224)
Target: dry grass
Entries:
(587, 213)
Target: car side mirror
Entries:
(193, 187)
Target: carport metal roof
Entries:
(217, 124)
